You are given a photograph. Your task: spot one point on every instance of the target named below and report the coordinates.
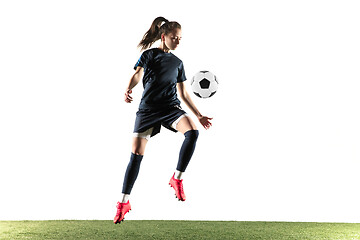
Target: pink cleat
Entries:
(122, 209)
(178, 187)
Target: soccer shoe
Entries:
(122, 209)
(178, 187)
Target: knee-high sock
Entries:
(187, 149)
(131, 173)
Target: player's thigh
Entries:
(138, 145)
(185, 124)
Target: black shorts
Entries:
(146, 119)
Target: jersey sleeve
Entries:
(143, 60)
(181, 74)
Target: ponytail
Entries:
(155, 31)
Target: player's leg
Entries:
(137, 152)
(138, 149)
(139, 144)
(133, 168)
(187, 127)
(185, 124)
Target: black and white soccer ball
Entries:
(204, 84)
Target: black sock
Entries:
(131, 173)
(187, 149)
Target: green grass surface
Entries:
(176, 230)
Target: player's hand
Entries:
(128, 98)
(205, 122)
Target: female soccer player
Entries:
(163, 77)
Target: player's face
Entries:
(172, 40)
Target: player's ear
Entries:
(162, 37)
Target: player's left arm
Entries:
(184, 95)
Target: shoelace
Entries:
(119, 208)
(180, 186)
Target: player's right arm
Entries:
(134, 80)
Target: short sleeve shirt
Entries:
(162, 71)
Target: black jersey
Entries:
(162, 71)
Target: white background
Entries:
(285, 140)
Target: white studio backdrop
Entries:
(284, 145)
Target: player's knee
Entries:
(192, 135)
(138, 145)
(138, 150)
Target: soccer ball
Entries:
(204, 84)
